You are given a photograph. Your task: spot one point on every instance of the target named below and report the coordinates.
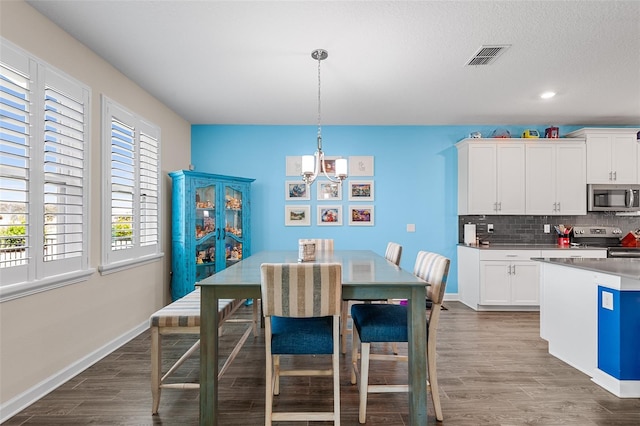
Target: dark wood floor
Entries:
(493, 367)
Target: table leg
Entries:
(208, 356)
(417, 357)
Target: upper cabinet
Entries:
(210, 226)
(612, 154)
(491, 177)
(521, 176)
(556, 178)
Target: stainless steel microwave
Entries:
(617, 198)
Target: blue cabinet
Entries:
(210, 226)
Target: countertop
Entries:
(625, 267)
(500, 246)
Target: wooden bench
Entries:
(183, 317)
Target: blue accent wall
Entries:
(416, 174)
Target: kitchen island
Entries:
(590, 315)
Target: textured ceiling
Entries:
(390, 62)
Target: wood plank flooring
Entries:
(493, 370)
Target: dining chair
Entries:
(322, 245)
(393, 253)
(374, 323)
(301, 306)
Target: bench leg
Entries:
(156, 362)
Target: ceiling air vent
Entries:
(487, 54)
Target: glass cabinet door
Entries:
(233, 227)
(205, 231)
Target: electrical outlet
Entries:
(490, 228)
(547, 228)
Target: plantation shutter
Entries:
(122, 184)
(14, 166)
(149, 189)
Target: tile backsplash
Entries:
(530, 229)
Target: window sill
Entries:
(127, 264)
(15, 291)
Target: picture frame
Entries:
(361, 190)
(328, 191)
(297, 215)
(329, 215)
(329, 165)
(293, 165)
(296, 190)
(361, 216)
(361, 165)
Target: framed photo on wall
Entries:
(328, 191)
(329, 215)
(296, 190)
(361, 190)
(297, 215)
(361, 165)
(361, 216)
(293, 165)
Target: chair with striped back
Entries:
(393, 253)
(388, 323)
(322, 245)
(301, 306)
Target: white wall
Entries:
(48, 337)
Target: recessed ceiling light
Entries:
(547, 95)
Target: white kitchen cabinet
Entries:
(491, 177)
(556, 178)
(509, 278)
(612, 154)
(491, 279)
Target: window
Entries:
(44, 179)
(131, 191)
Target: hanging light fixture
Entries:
(313, 165)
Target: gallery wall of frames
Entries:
(348, 203)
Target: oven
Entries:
(606, 237)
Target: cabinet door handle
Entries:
(558, 206)
(508, 269)
(610, 175)
(495, 206)
(500, 206)
(514, 270)
(615, 175)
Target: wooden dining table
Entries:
(365, 275)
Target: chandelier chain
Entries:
(319, 102)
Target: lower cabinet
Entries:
(494, 279)
(509, 283)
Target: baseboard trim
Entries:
(28, 397)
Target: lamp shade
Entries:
(341, 167)
(308, 164)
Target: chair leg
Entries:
(256, 318)
(365, 349)
(355, 342)
(276, 374)
(268, 399)
(336, 373)
(344, 319)
(433, 378)
(156, 362)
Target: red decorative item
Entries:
(551, 133)
(629, 240)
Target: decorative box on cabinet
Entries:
(612, 154)
(556, 178)
(491, 176)
(210, 226)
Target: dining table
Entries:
(366, 275)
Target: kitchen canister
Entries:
(470, 234)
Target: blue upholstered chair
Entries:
(393, 253)
(388, 323)
(301, 305)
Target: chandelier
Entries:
(313, 165)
